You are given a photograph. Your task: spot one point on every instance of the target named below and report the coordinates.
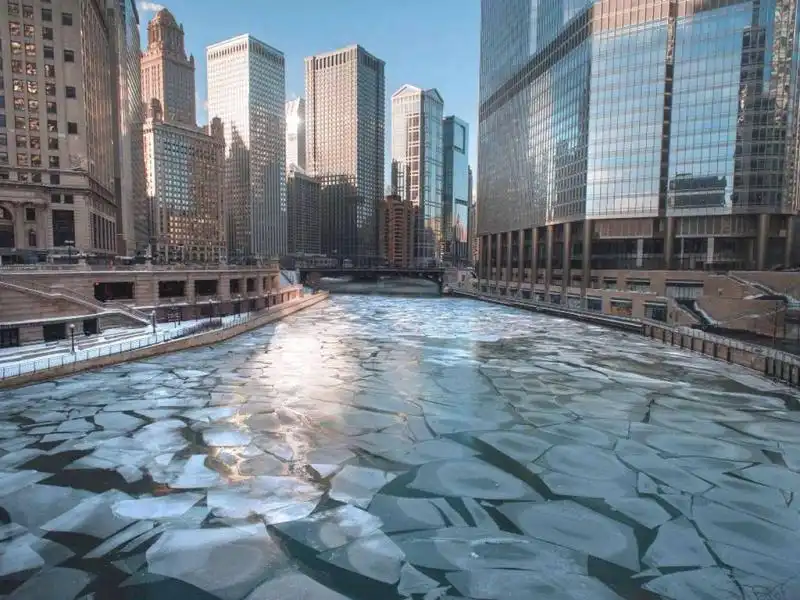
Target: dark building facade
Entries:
(657, 134)
(345, 132)
(303, 207)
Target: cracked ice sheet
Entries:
(503, 584)
(195, 475)
(226, 562)
(92, 516)
(376, 557)
(295, 586)
(357, 485)
(159, 507)
(677, 544)
(226, 437)
(36, 504)
(718, 523)
(406, 514)
(469, 548)
(573, 526)
(472, 478)
(712, 584)
(332, 528)
(58, 582)
(275, 499)
(17, 480)
(17, 555)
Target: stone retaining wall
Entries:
(185, 343)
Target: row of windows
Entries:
(49, 53)
(26, 177)
(33, 124)
(28, 13)
(32, 87)
(34, 142)
(32, 160)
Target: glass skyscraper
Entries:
(636, 134)
(418, 153)
(456, 191)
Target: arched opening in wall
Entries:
(31, 239)
(6, 229)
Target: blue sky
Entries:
(428, 43)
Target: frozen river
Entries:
(374, 448)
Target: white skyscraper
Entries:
(246, 90)
(296, 133)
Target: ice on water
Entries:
(437, 449)
(331, 528)
(357, 485)
(227, 562)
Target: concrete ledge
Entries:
(185, 343)
(631, 325)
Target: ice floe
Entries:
(471, 478)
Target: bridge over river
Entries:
(392, 448)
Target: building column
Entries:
(548, 269)
(669, 243)
(534, 257)
(586, 264)
(710, 251)
(761, 241)
(787, 252)
(487, 266)
(498, 252)
(566, 272)
(521, 260)
(509, 236)
(639, 253)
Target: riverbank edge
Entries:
(205, 338)
(775, 365)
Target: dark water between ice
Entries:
(404, 448)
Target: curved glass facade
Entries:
(669, 124)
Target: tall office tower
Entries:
(129, 186)
(456, 190)
(56, 131)
(302, 200)
(296, 133)
(417, 150)
(185, 168)
(167, 73)
(345, 95)
(246, 90)
(637, 135)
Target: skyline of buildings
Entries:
(144, 144)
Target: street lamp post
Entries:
(153, 320)
(210, 311)
(72, 336)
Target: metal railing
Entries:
(114, 304)
(34, 365)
